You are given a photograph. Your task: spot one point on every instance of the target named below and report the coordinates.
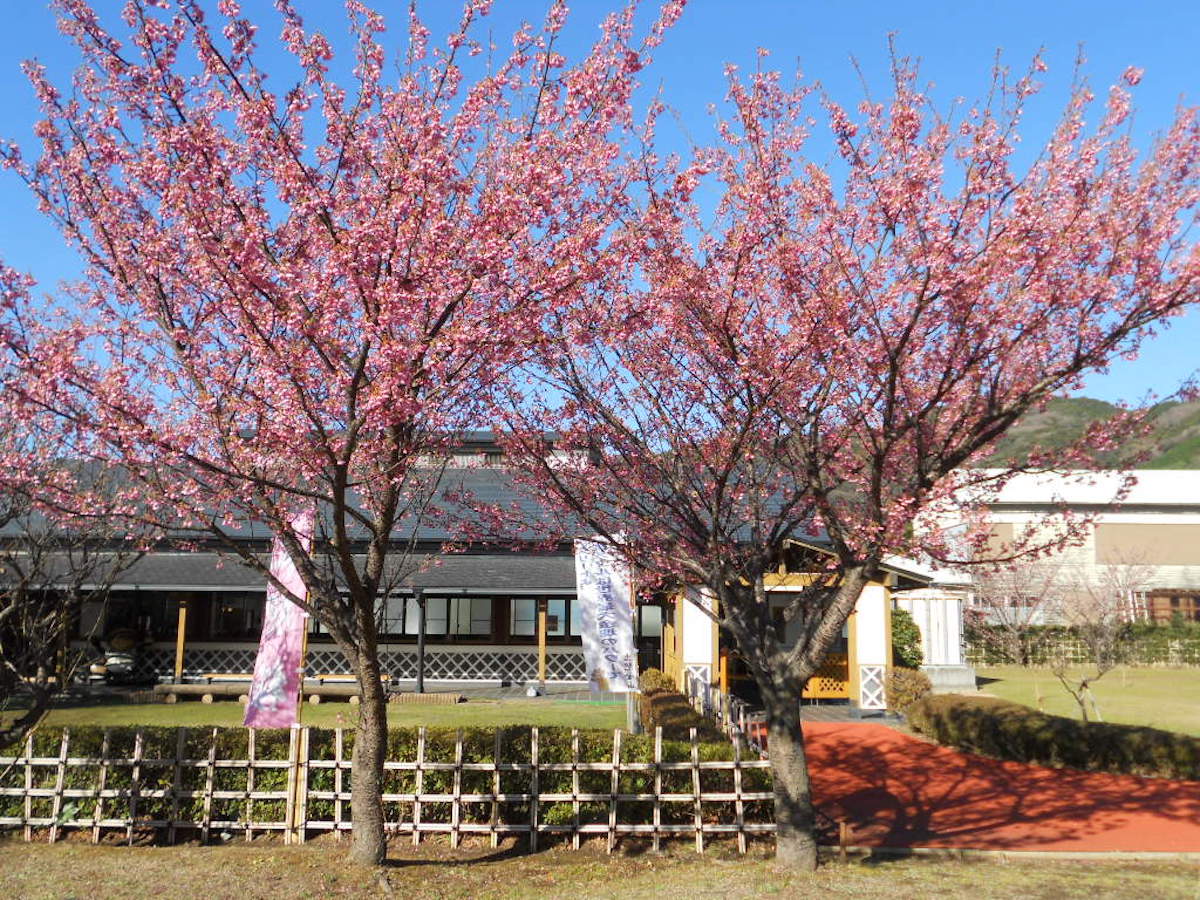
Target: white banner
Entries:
(604, 588)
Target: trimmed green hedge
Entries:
(661, 705)
(479, 744)
(994, 727)
(1142, 644)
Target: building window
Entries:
(650, 622)
(1166, 606)
(524, 617)
(236, 615)
(471, 616)
(436, 619)
(523, 622)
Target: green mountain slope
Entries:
(1173, 441)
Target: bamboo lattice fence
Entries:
(568, 785)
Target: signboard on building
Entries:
(604, 588)
(275, 690)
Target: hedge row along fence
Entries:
(168, 782)
(1142, 646)
(997, 728)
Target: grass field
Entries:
(1161, 698)
(319, 870)
(329, 715)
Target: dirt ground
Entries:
(269, 869)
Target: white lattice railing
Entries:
(472, 662)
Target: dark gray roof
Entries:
(476, 573)
(500, 572)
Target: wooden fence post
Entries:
(656, 839)
(296, 811)
(28, 786)
(575, 787)
(176, 783)
(301, 831)
(60, 780)
(98, 809)
(698, 813)
(419, 786)
(533, 790)
(135, 781)
(250, 753)
(739, 806)
(614, 786)
(289, 807)
(209, 775)
(338, 753)
(495, 818)
(456, 803)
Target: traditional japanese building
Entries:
(503, 612)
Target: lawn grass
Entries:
(541, 712)
(1158, 697)
(269, 869)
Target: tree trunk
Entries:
(795, 819)
(370, 749)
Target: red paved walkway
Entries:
(897, 791)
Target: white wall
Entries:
(938, 615)
(871, 629)
(698, 647)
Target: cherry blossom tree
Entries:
(825, 353)
(294, 293)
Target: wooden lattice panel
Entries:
(831, 681)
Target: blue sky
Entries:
(956, 42)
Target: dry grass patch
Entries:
(268, 869)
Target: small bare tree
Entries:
(1012, 602)
(1098, 608)
(48, 570)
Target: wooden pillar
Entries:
(419, 596)
(180, 640)
(852, 673)
(542, 605)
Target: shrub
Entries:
(905, 687)
(662, 705)
(906, 640)
(655, 681)
(997, 728)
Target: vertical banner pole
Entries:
(303, 661)
(633, 719)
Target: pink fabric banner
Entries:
(275, 690)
